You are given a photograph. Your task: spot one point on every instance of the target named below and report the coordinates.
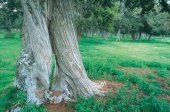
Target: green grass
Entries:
(102, 58)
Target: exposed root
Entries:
(57, 99)
(103, 87)
(60, 105)
(134, 70)
(82, 87)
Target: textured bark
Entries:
(34, 64)
(73, 80)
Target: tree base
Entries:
(82, 87)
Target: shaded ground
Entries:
(106, 86)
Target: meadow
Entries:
(142, 66)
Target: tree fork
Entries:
(51, 23)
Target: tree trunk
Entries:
(73, 80)
(123, 35)
(34, 64)
(133, 36)
(118, 35)
(8, 24)
(139, 36)
(149, 37)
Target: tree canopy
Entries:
(10, 11)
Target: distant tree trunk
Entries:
(34, 64)
(118, 35)
(73, 80)
(123, 34)
(139, 36)
(122, 7)
(149, 36)
(8, 24)
(41, 31)
(79, 35)
(133, 36)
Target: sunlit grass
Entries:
(101, 59)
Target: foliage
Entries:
(159, 23)
(165, 6)
(139, 16)
(163, 73)
(98, 14)
(10, 11)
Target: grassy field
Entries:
(143, 67)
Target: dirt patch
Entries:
(134, 70)
(60, 107)
(106, 86)
(161, 80)
(164, 97)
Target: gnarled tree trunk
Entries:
(34, 65)
(73, 79)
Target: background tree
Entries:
(165, 5)
(97, 17)
(145, 6)
(160, 23)
(10, 11)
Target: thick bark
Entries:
(73, 80)
(34, 64)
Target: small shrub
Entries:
(150, 76)
(9, 35)
(19, 35)
(167, 82)
(155, 65)
(168, 67)
(163, 73)
(132, 63)
(11, 98)
(117, 72)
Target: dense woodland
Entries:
(138, 18)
